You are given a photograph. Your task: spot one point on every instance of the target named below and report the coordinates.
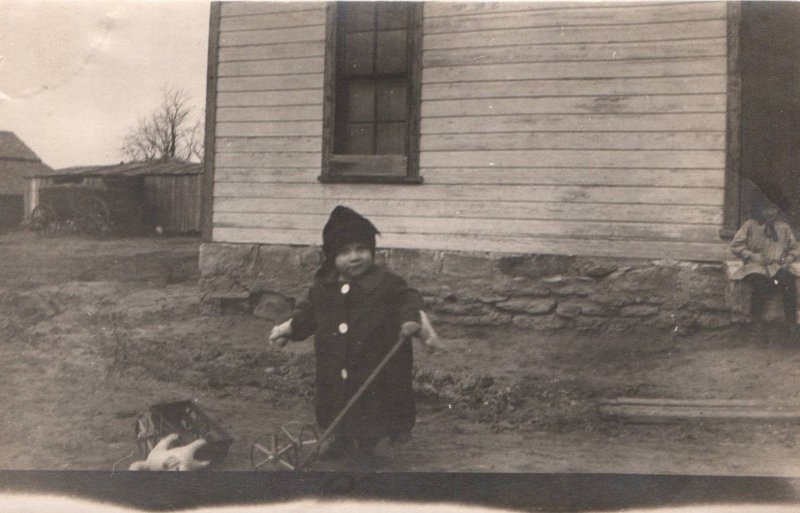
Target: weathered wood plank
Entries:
(273, 83)
(582, 70)
(681, 214)
(712, 84)
(473, 226)
(435, 9)
(575, 123)
(577, 141)
(248, 8)
(272, 159)
(576, 158)
(521, 176)
(675, 413)
(568, 18)
(577, 176)
(267, 98)
(569, 194)
(269, 36)
(269, 128)
(579, 35)
(705, 403)
(277, 143)
(269, 174)
(713, 252)
(270, 113)
(622, 104)
(304, 18)
(297, 65)
(584, 52)
(272, 51)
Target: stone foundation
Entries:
(484, 289)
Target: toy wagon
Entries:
(187, 420)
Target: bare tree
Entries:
(166, 133)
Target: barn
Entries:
(169, 190)
(17, 162)
(543, 164)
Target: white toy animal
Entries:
(162, 457)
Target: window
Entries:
(372, 75)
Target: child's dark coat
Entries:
(354, 327)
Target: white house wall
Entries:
(585, 128)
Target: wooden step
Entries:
(648, 410)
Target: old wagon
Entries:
(113, 204)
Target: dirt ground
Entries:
(92, 332)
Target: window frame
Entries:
(334, 166)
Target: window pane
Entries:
(359, 139)
(358, 16)
(358, 53)
(392, 51)
(392, 100)
(391, 138)
(361, 101)
(392, 15)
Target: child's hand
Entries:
(756, 258)
(409, 329)
(280, 334)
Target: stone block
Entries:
(569, 309)
(638, 310)
(222, 258)
(459, 308)
(571, 286)
(584, 323)
(273, 307)
(415, 265)
(536, 266)
(597, 310)
(468, 265)
(712, 320)
(530, 305)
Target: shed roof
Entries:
(150, 167)
(17, 161)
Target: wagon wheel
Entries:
(43, 219)
(94, 217)
(288, 448)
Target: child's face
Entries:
(353, 260)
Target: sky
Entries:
(76, 75)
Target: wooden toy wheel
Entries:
(288, 448)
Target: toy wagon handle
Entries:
(325, 434)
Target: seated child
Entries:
(356, 311)
(768, 247)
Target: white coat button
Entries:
(345, 288)
(343, 328)
(344, 373)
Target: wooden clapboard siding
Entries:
(575, 128)
(511, 176)
(482, 209)
(269, 89)
(234, 9)
(682, 141)
(576, 123)
(475, 226)
(269, 52)
(551, 245)
(578, 35)
(575, 52)
(593, 15)
(495, 88)
(612, 104)
(577, 70)
(570, 194)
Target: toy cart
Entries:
(297, 444)
(187, 420)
